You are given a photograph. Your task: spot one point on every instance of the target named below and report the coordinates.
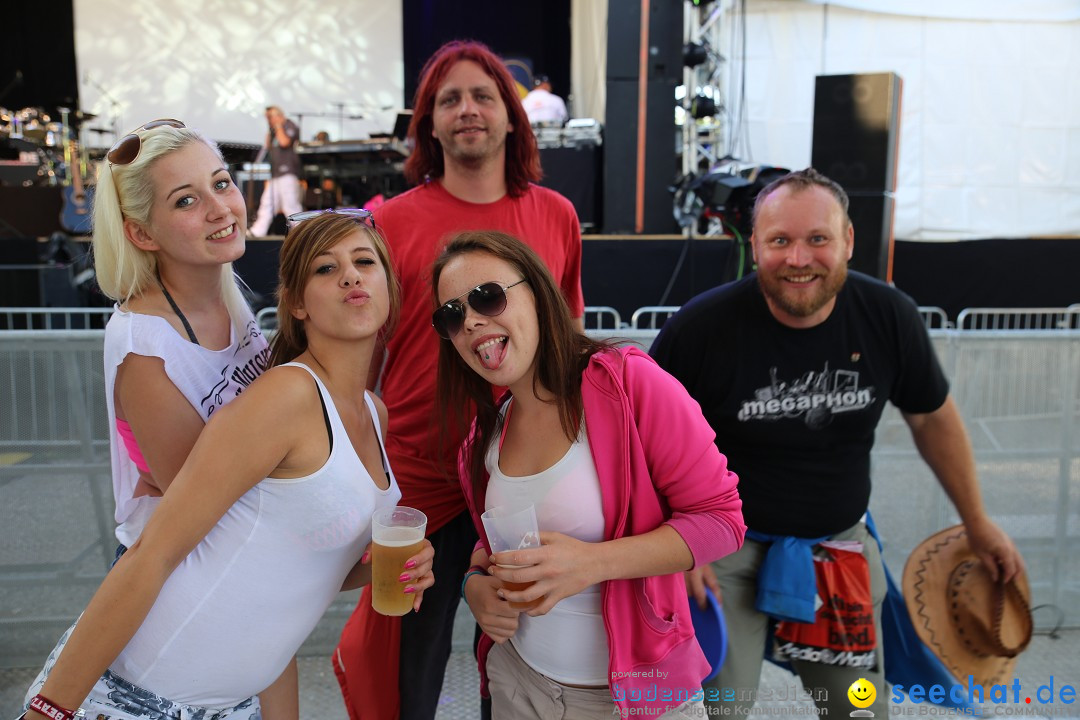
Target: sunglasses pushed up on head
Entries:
(488, 299)
(361, 216)
(127, 148)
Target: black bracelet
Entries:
(474, 570)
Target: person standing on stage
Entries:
(542, 105)
(476, 163)
(282, 191)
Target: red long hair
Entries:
(426, 159)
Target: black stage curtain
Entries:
(1007, 273)
(38, 46)
(535, 30)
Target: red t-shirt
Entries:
(416, 225)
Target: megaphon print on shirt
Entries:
(816, 397)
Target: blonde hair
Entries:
(123, 270)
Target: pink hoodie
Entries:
(658, 463)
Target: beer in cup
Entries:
(513, 527)
(397, 534)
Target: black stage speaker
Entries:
(621, 156)
(29, 212)
(856, 129)
(663, 73)
(855, 142)
(665, 41)
(575, 173)
(39, 285)
(872, 217)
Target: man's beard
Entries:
(799, 304)
(474, 156)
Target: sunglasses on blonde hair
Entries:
(127, 149)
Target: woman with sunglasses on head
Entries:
(168, 224)
(267, 519)
(628, 485)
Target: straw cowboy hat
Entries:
(974, 625)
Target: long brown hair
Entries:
(426, 159)
(561, 355)
(302, 244)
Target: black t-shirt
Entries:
(795, 410)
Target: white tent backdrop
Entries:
(990, 128)
(216, 64)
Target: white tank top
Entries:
(233, 614)
(569, 644)
(207, 379)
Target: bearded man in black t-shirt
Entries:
(792, 367)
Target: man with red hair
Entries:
(475, 163)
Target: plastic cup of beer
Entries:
(513, 527)
(397, 534)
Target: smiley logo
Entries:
(862, 693)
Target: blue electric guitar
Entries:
(75, 213)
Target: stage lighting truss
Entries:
(699, 111)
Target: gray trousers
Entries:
(747, 628)
(520, 693)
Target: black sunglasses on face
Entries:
(359, 214)
(127, 148)
(488, 299)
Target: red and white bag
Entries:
(842, 633)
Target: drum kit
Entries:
(49, 141)
(39, 149)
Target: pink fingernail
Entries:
(404, 577)
(409, 589)
(365, 557)
(410, 565)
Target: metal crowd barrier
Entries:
(1018, 391)
(597, 317)
(267, 319)
(934, 317)
(54, 318)
(656, 315)
(651, 317)
(602, 317)
(1020, 318)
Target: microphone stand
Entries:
(341, 118)
(114, 118)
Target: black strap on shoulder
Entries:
(176, 309)
(326, 416)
